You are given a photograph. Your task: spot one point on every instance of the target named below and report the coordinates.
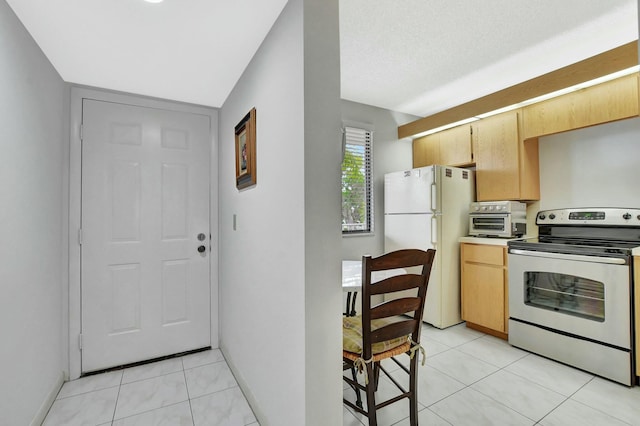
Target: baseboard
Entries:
(48, 401)
(260, 418)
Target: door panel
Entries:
(145, 198)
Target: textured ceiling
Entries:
(413, 56)
(424, 56)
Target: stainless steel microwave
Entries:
(504, 219)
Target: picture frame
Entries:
(245, 141)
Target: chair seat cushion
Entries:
(352, 335)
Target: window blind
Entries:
(357, 198)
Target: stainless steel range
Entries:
(570, 292)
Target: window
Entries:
(357, 203)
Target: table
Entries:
(352, 281)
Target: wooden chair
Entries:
(386, 330)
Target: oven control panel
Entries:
(587, 215)
(590, 216)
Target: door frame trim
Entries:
(73, 293)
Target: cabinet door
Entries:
(426, 150)
(483, 300)
(455, 146)
(497, 158)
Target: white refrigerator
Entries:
(427, 208)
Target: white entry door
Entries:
(145, 246)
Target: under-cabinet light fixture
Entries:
(551, 95)
(445, 127)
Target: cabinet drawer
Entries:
(482, 253)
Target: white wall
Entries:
(593, 167)
(271, 295)
(33, 114)
(322, 201)
(389, 155)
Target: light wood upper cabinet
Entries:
(504, 147)
(610, 101)
(426, 150)
(451, 147)
(484, 291)
(455, 146)
(506, 166)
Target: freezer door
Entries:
(408, 231)
(408, 191)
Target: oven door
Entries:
(586, 296)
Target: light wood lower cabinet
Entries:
(484, 288)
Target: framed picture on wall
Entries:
(246, 151)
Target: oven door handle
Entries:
(564, 256)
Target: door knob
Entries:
(201, 237)
(201, 249)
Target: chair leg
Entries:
(376, 375)
(413, 389)
(357, 389)
(371, 396)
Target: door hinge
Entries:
(79, 341)
(81, 132)
(80, 236)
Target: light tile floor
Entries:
(196, 389)
(475, 379)
(469, 379)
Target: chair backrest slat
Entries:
(406, 311)
(408, 257)
(397, 283)
(393, 331)
(395, 307)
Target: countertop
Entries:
(636, 251)
(490, 241)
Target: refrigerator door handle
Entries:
(434, 198)
(434, 230)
